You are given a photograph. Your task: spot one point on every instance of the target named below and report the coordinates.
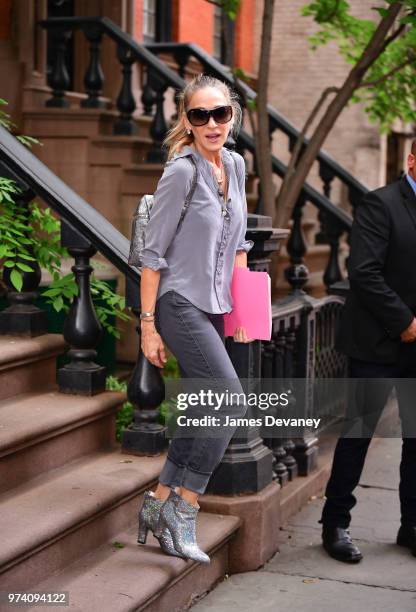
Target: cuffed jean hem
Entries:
(173, 475)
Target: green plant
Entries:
(171, 369)
(125, 415)
(31, 233)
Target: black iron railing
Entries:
(296, 320)
(157, 79)
(84, 231)
(329, 168)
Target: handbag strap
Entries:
(192, 189)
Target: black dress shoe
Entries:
(338, 544)
(406, 536)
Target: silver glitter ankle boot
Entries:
(148, 519)
(179, 517)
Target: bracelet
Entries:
(146, 314)
(148, 320)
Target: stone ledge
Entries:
(137, 577)
(257, 539)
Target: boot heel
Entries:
(142, 535)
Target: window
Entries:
(149, 21)
(223, 37)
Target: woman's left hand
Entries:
(240, 335)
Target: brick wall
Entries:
(138, 19)
(194, 22)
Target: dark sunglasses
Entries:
(200, 116)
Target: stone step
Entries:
(28, 364)
(140, 179)
(45, 430)
(76, 122)
(54, 519)
(120, 150)
(129, 576)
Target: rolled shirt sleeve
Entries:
(243, 244)
(168, 201)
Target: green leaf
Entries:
(383, 12)
(51, 292)
(16, 279)
(24, 267)
(58, 304)
(28, 257)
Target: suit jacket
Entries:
(381, 302)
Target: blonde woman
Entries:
(186, 277)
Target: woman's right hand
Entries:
(152, 345)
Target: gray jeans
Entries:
(196, 339)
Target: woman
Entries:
(186, 277)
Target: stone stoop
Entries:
(78, 145)
(121, 575)
(41, 431)
(28, 364)
(68, 493)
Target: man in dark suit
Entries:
(378, 333)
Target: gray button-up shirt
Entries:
(197, 259)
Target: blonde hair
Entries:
(177, 136)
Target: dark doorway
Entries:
(224, 35)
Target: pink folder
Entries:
(252, 308)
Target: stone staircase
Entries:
(69, 497)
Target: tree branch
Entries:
(373, 50)
(310, 119)
(396, 33)
(388, 74)
(299, 142)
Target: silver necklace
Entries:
(221, 177)
(220, 189)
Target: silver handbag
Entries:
(141, 218)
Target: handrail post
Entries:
(297, 274)
(126, 103)
(146, 435)
(158, 128)
(94, 76)
(59, 77)
(82, 330)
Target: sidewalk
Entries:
(302, 577)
